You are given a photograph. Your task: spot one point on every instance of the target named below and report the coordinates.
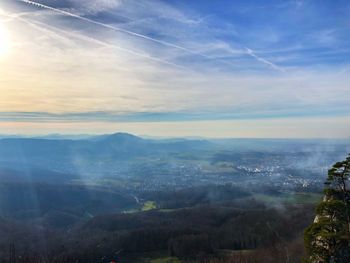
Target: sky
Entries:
(274, 69)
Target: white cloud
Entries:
(78, 66)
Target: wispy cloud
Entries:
(163, 116)
(73, 62)
(135, 34)
(344, 70)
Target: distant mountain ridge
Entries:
(44, 152)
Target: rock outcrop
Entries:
(327, 239)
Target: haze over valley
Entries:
(70, 186)
(158, 131)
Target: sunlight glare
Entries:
(4, 40)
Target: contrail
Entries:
(66, 13)
(265, 61)
(161, 42)
(41, 26)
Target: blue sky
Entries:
(116, 62)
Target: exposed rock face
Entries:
(328, 238)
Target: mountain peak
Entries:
(120, 137)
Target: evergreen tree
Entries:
(327, 240)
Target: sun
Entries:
(4, 40)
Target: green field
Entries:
(149, 205)
(166, 260)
